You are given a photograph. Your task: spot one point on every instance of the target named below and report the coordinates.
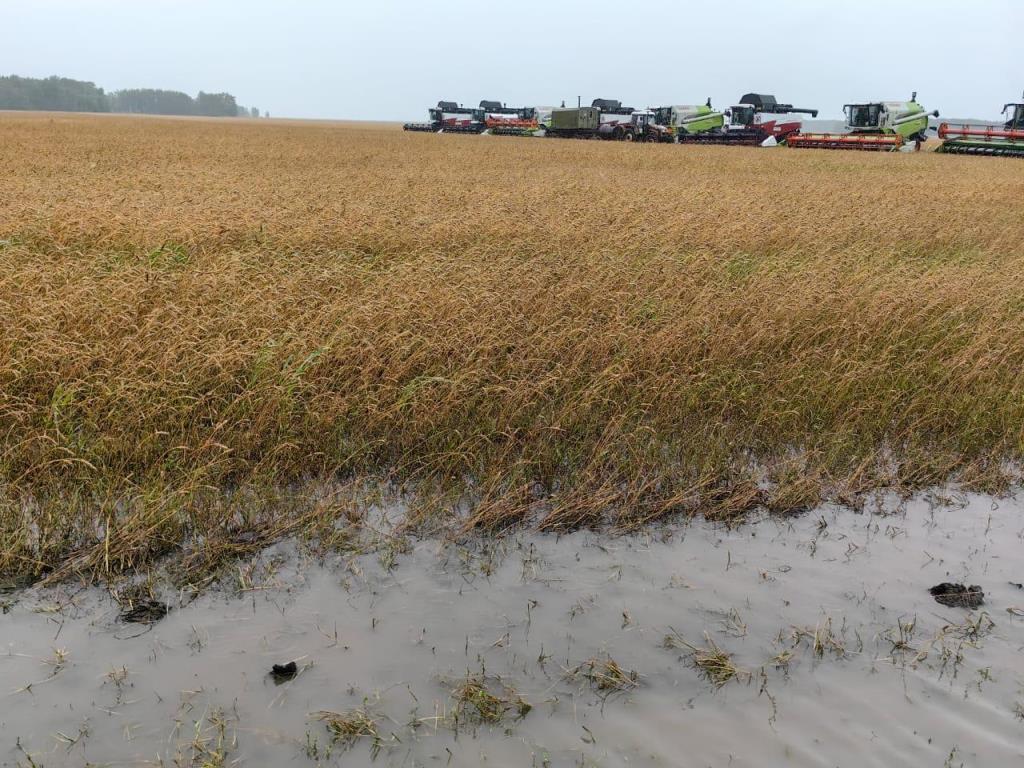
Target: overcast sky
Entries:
(390, 59)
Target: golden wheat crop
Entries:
(563, 332)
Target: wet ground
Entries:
(807, 641)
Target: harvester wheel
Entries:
(628, 136)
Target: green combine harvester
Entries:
(1005, 141)
(688, 119)
(880, 126)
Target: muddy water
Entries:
(844, 658)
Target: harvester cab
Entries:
(1016, 121)
(543, 116)
(1006, 140)
(741, 115)
(863, 117)
(874, 126)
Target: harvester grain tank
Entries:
(967, 139)
(681, 119)
(879, 126)
(757, 120)
(612, 111)
(450, 117)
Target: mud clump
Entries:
(145, 612)
(957, 595)
(282, 673)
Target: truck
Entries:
(875, 126)
(586, 123)
(758, 119)
(1006, 140)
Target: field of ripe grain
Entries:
(218, 331)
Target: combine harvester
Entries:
(758, 120)
(449, 116)
(682, 119)
(880, 126)
(1007, 141)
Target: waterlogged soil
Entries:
(805, 641)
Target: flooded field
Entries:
(799, 641)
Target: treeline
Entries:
(60, 94)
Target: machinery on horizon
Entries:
(970, 139)
(510, 121)
(451, 117)
(606, 119)
(879, 126)
(759, 119)
(683, 119)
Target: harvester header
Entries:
(1001, 141)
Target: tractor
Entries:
(587, 123)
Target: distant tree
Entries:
(51, 93)
(149, 101)
(216, 105)
(61, 94)
(267, 113)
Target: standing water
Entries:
(803, 641)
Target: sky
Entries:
(391, 59)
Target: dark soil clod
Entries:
(145, 612)
(282, 673)
(15, 584)
(957, 595)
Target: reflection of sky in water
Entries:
(890, 687)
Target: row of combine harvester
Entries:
(757, 120)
